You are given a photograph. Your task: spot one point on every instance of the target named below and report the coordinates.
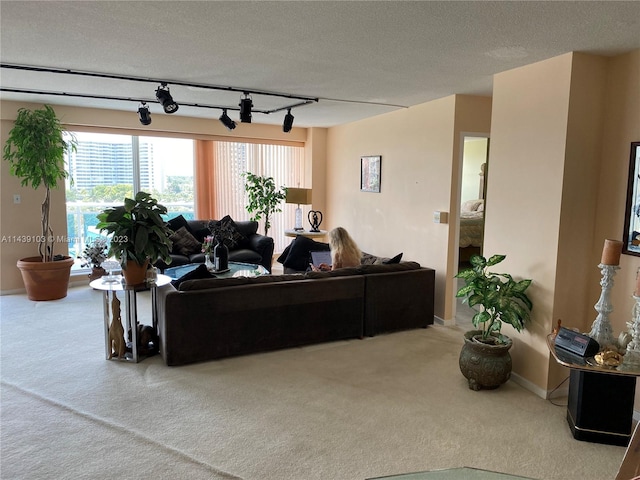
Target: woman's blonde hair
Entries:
(344, 251)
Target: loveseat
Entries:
(247, 245)
(206, 319)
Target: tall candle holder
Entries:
(601, 330)
(632, 356)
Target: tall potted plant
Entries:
(485, 360)
(139, 235)
(264, 198)
(36, 148)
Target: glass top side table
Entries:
(131, 311)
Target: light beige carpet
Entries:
(347, 410)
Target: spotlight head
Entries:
(288, 122)
(143, 114)
(165, 99)
(226, 121)
(245, 108)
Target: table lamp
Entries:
(299, 196)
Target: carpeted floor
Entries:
(346, 410)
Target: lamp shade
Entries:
(300, 196)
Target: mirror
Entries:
(631, 234)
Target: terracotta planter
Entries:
(45, 280)
(135, 274)
(97, 272)
(485, 365)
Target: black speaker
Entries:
(600, 407)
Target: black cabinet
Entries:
(600, 407)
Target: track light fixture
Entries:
(143, 113)
(245, 108)
(165, 99)
(288, 122)
(226, 121)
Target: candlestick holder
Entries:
(632, 356)
(601, 330)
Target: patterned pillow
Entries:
(229, 231)
(177, 222)
(184, 243)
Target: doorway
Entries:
(470, 221)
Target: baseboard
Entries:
(445, 323)
(13, 292)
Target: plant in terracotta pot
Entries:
(264, 198)
(497, 298)
(35, 149)
(94, 254)
(139, 235)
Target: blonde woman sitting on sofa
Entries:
(344, 251)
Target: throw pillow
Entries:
(184, 243)
(368, 259)
(177, 222)
(198, 273)
(227, 228)
(395, 259)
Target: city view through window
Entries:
(106, 168)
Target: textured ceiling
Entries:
(353, 56)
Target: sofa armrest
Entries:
(264, 246)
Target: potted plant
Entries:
(94, 254)
(139, 235)
(36, 149)
(264, 198)
(485, 360)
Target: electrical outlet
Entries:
(16, 198)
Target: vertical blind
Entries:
(284, 163)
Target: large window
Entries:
(107, 168)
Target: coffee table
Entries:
(236, 269)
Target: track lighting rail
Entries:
(64, 71)
(146, 100)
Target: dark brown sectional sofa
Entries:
(214, 318)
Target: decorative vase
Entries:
(207, 262)
(96, 272)
(135, 274)
(221, 257)
(45, 280)
(485, 365)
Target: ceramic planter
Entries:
(485, 366)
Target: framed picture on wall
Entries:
(631, 234)
(370, 168)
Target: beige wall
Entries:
(24, 219)
(621, 127)
(560, 135)
(420, 149)
(546, 126)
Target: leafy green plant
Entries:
(138, 230)
(501, 298)
(35, 148)
(264, 198)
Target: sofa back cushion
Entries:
(388, 267)
(245, 228)
(211, 283)
(340, 272)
